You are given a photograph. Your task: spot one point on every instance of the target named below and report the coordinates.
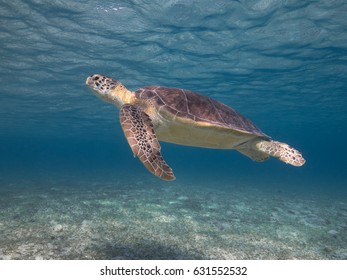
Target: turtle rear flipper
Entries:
(138, 130)
(281, 151)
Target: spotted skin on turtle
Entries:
(138, 130)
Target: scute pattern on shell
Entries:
(189, 104)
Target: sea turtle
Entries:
(184, 117)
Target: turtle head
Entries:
(108, 89)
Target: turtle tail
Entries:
(281, 151)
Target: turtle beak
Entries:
(89, 81)
(101, 83)
(92, 85)
(93, 82)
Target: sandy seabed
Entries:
(147, 220)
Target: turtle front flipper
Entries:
(138, 130)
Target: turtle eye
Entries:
(95, 78)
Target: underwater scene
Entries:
(72, 184)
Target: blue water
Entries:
(282, 64)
